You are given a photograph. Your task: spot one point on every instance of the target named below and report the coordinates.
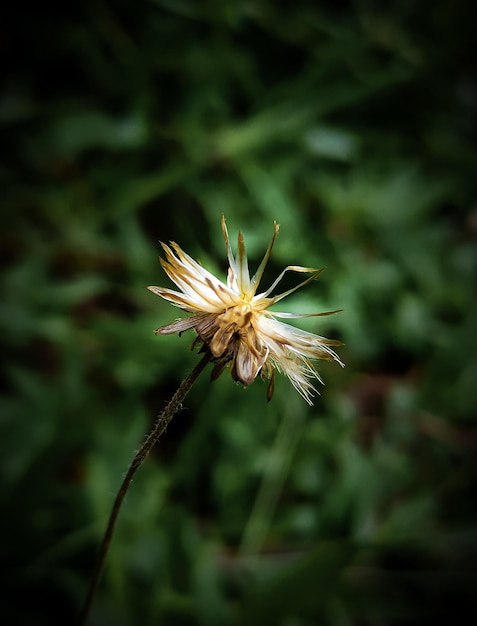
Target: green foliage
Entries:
(353, 126)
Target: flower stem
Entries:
(152, 438)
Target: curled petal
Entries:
(247, 364)
(221, 340)
(291, 268)
(257, 277)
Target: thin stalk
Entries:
(152, 438)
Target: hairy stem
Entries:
(150, 441)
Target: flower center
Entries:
(238, 316)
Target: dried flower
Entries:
(235, 324)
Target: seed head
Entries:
(234, 322)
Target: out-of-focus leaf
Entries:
(301, 591)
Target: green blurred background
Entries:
(353, 124)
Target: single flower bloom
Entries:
(234, 322)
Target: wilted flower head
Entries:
(234, 322)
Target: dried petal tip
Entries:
(235, 323)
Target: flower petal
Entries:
(302, 315)
(257, 277)
(221, 340)
(247, 363)
(179, 326)
(232, 273)
(290, 268)
(178, 299)
(197, 283)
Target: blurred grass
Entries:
(353, 125)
